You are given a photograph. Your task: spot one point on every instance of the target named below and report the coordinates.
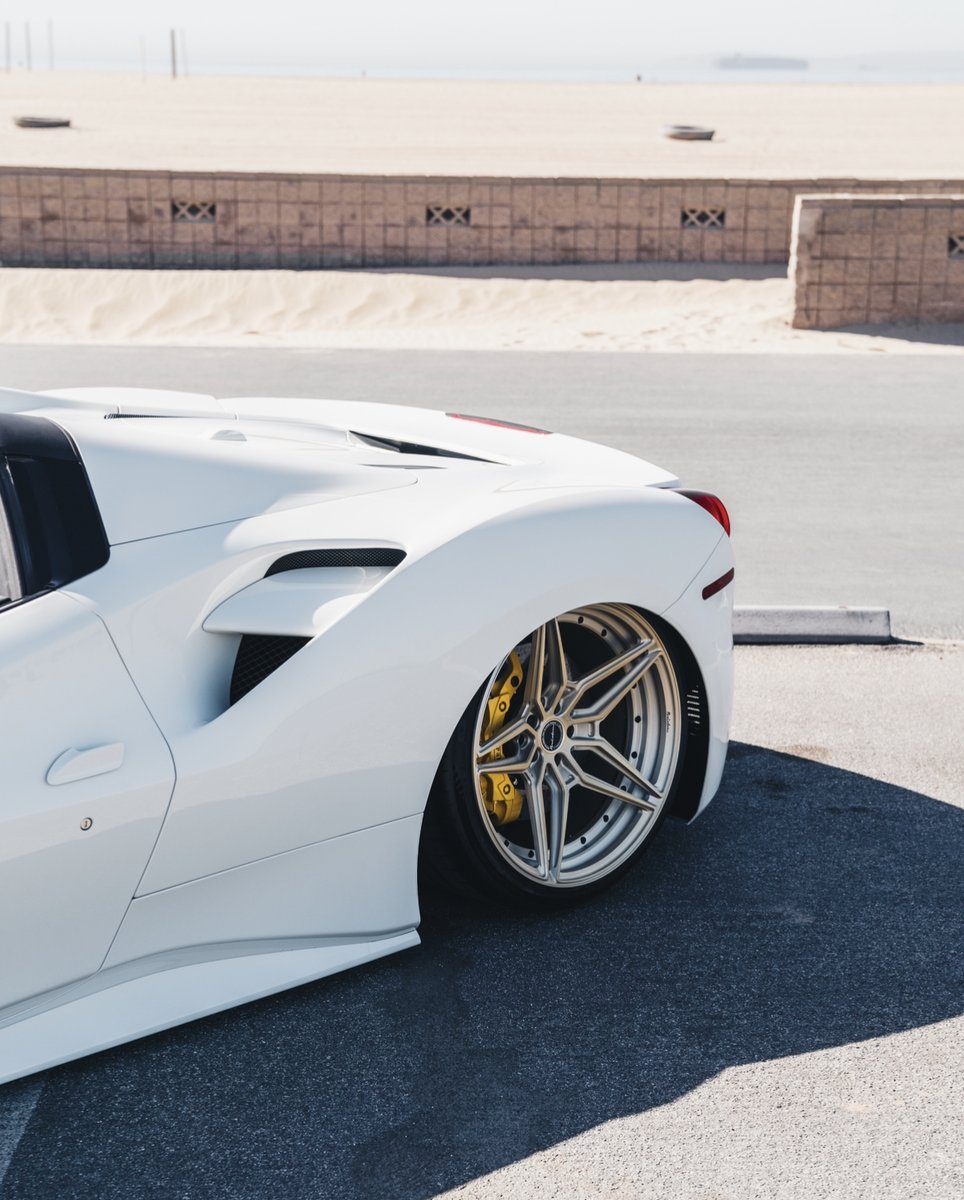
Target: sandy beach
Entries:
(342, 309)
(524, 130)
(802, 131)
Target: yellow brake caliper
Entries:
(502, 799)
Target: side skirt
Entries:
(153, 1002)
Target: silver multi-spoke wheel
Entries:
(576, 746)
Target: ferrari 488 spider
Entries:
(264, 664)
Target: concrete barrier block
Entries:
(778, 624)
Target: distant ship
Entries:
(741, 62)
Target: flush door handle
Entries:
(75, 764)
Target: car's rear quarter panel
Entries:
(348, 733)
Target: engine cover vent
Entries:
(259, 655)
(418, 448)
(351, 556)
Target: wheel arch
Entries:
(689, 786)
(447, 821)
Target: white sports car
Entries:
(264, 663)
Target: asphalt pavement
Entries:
(769, 1006)
(843, 473)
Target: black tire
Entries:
(463, 849)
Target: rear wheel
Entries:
(564, 764)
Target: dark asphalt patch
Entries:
(810, 907)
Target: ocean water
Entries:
(937, 69)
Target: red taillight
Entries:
(498, 424)
(713, 505)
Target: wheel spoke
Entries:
(610, 667)
(610, 790)
(532, 692)
(532, 783)
(508, 733)
(520, 761)
(612, 757)
(558, 817)
(556, 675)
(547, 676)
(615, 694)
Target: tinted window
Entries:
(9, 568)
(54, 521)
(54, 526)
(52, 498)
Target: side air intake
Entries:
(362, 556)
(259, 655)
(288, 615)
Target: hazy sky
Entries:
(508, 35)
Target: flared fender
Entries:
(349, 731)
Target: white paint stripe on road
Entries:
(17, 1102)
(789, 625)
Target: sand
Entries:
(802, 131)
(340, 309)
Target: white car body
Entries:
(165, 853)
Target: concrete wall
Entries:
(872, 259)
(60, 217)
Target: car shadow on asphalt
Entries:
(809, 908)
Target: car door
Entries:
(85, 775)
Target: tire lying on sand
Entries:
(42, 122)
(688, 133)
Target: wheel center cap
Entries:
(552, 735)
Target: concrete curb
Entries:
(787, 625)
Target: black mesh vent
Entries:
(361, 556)
(258, 656)
(140, 416)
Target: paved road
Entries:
(843, 473)
(771, 1007)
